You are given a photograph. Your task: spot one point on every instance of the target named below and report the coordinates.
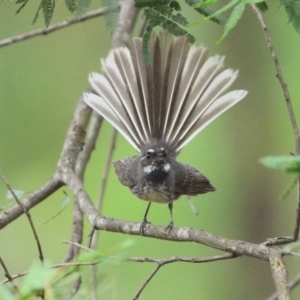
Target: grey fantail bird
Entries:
(159, 108)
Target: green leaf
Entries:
(290, 164)
(180, 19)
(111, 16)
(90, 256)
(199, 4)
(19, 193)
(292, 8)
(48, 8)
(223, 9)
(71, 5)
(233, 19)
(128, 243)
(37, 278)
(150, 3)
(65, 201)
(289, 188)
(83, 6)
(295, 247)
(5, 293)
(263, 6)
(175, 5)
(22, 6)
(208, 12)
(37, 14)
(146, 38)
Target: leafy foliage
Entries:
(23, 3)
(82, 8)
(71, 5)
(237, 8)
(263, 6)
(48, 8)
(111, 17)
(19, 193)
(78, 7)
(58, 282)
(290, 164)
(202, 8)
(166, 14)
(292, 8)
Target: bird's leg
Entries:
(145, 221)
(171, 224)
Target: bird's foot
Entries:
(169, 228)
(144, 224)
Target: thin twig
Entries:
(33, 199)
(27, 213)
(137, 295)
(291, 253)
(57, 26)
(8, 276)
(288, 103)
(162, 262)
(105, 173)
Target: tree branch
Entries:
(288, 103)
(57, 26)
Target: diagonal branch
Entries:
(28, 215)
(30, 201)
(57, 26)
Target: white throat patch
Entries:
(150, 168)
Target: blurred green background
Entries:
(40, 82)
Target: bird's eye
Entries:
(164, 153)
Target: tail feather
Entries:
(220, 83)
(216, 109)
(193, 64)
(98, 104)
(127, 88)
(172, 100)
(176, 62)
(210, 69)
(141, 73)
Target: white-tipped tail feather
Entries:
(171, 100)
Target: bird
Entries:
(159, 108)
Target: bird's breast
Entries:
(159, 194)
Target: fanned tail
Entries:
(171, 101)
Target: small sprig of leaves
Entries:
(202, 7)
(291, 164)
(111, 17)
(76, 7)
(237, 7)
(292, 8)
(166, 14)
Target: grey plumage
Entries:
(159, 109)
